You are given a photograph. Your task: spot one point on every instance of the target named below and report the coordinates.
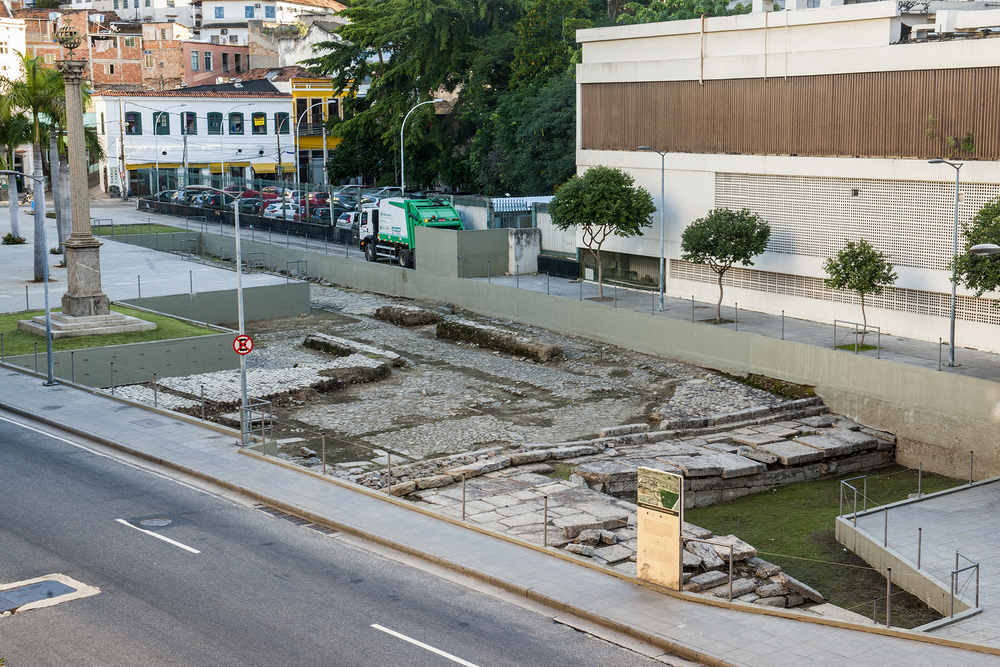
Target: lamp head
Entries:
(936, 161)
(985, 249)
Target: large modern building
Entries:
(822, 120)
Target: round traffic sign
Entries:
(242, 344)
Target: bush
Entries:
(10, 239)
(55, 251)
(50, 214)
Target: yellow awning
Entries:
(264, 167)
(215, 168)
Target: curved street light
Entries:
(301, 116)
(663, 273)
(239, 293)
(402, 164)
(954, 253)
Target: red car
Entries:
(316, 199)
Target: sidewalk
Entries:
(693, 630)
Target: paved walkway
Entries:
(697, 631)
(965, 521)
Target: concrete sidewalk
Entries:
(684, 625)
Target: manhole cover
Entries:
(156, 522)
(51, 407)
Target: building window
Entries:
(234, 39)
(133, 122)
(225, 62)
(235, 123)
(190, 123)
(161, 122)
(170, 3)
(237, 62)
(208, 61)
(215, 39)
(50, 58)
(281, 123)
(128, 41)
(317, 111)
(194, 61)
(116, 3)
(269, 12)
(163, 31)
(135, 4)
(102, 122)
(148, 61)
(333, 108)
(248, 11)
(259, 123)
(109, 69)
(215, 123)
(220, 12)
(148, 3)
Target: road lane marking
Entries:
(423, 646)
(159, 537)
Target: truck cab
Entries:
(388, 227)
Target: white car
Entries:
(282, 210)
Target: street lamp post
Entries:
(402, 164)
(299, 120)
(45, 275)
(222, 153)
(663, 272)
(957, 166)
(239, 295)
(156, 145)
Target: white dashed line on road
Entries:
(159, 537)
(424, 646)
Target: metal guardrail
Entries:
(864, 496)
(256, 422)
(718, 544)
(954, 579)
(861, 330)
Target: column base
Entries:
(86, 306)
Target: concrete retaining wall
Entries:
(262, 302)
(938, 418)
(136, 362)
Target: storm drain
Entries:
(15, 598)
(298, 521)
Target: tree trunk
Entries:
(718, 306)
(56, 201)
(864, 320)
(12, 197)
(600, 276)
(39, 200)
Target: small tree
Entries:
(723, 238)
(861, 269)
(976, 272)
(603, 202)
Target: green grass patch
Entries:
(793, 527)
(561, 471)
(133, 230)
(21, 342)
(857, 348)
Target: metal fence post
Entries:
(463, 496)
(323, 451)
(730, 572)
(920, 479)
(203, 402)
(939, 354)
(138, 280)
(156, 403)
(72, 368)
(736, 321)
(888, 596)
(920, 539)
(191, 281)
(970, 466)
(487, 271)
(782, 325)
(885, 530)
(545, 522)
(517, 276)
(388, 467)
(874, 609)
(26, 307)
(36, 358)
(112, 378)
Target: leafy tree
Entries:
(676, 10)
(603, 202)
(723, 238)
(37, 92)
(15, 130)
(861, 269)
(980, 273)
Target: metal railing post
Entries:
(191, 282)
(782, 325)
(920, 479)
(488, 278)
(388, 467)
(920, 539)
(72, 368)
(517, 276)
(463, 496)
(203, 402)
(730, 572)
(36, 358)
(855, 507)
(545, 523)
(323, 450)
(1, 348)
(736, 320)
(112, 378)
(155, 399)
(138, 280)
(888, 596)
(970, 466)
(864, 496)
(885, 532)
(939, 354)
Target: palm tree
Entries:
(36, 92)
(15, 130)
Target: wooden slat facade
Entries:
(869, 114)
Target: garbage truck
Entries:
(388, 226)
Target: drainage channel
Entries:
(13, 599)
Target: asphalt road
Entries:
(261, 591)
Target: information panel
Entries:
(659, 555)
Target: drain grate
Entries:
(14, 598)
(298, 521)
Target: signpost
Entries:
(660, 515)
(242, 344)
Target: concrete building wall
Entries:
(220, 307)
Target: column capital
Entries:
(72, 70)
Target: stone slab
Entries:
(802, 589)
(758, 455)
(625, 429)
(572, 452)
(793, 453)
(614, 554)
(479, 467)
(705, 581)
(755, 439)
(741, 550)
(826, 444)
(740, 587)
(709, 558)
(858, 439)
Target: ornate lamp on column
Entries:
(83, 297)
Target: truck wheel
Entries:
(370, 252)
(405, 258)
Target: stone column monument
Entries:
(85, 308)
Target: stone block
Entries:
(794, 599)
(754, 440)
(590, 537)
(611, 473)
(572, 452)
(703, 498)
(614, 554)
(607, 537)
(690, 560)
(749, 597)
(826, 444)
(693, 466)
(741, 550)
(733, 494)
(434, 482)
(740, 587)
(631, 439)
(860, 441)
(523, 458)
(697, 532)
(778, 601)
(819, 421)
(705, 581)
(772, 590)
(726, 447)
(802, 589)
(762, 568)
(709, 558)
(687, 423)
(479, 467)
(850, 424)
(778, 431)
(625, 429)
(793, 453)
(403, 488)
(880, 435)
(758, 455)
(581, 549)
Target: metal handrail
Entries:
(864, 496)
(865, 328)
(954, 579)
(718, 544)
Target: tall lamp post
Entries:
(663, 272)
(402, 164)
(45, 274)
(299, 120)
(239, 295)
(957, 166)
(155, 181)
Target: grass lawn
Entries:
(793, 527)
(21, 342)
(138, 228)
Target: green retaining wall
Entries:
(937, 417)
(136, 362)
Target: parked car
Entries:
(249, 206)
(217, 200)
(164, 196)
(279, 209)
(270, 192)
(348, 227)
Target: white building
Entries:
(203, 131)
(156, 11)
(226, 20)
(821, 120)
